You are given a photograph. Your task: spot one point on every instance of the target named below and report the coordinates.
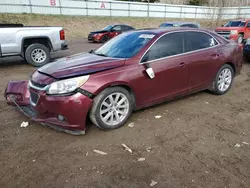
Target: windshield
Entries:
(107, 28)
(235, 24)
(167, 25)
(125, 45)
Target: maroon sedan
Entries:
(132, 71)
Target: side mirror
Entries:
(150, 72)
(91, 51)
(222, 25)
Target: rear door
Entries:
(203, 57)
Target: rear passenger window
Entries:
(198, 41)
(126, 28)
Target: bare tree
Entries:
(217, 12)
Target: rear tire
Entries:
(37, 55)
(223, 81)
(111, 108)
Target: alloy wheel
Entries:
(114, 109)
(225, 79)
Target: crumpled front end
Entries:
(17, 91)
(63, 113)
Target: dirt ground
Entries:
(200, 141)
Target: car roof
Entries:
(240, 20)
(181, 23)
(120, 24)
(169, 29)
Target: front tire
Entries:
(240, 39)
(111, 108)
(37, 55)
(104, 39)
(223, 81)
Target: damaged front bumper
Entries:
(73, 110)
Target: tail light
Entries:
(62, 35)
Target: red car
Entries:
(108, 84)
(238, 30)
(108, 32)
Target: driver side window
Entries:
(168, 45)
(117, 28)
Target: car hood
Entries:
(101, 31)
(228, 28)
(80, 64)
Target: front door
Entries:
(247, 31)
(170, 68)
(116, 30)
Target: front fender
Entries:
(17, 90)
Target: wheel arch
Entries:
(26, 41)
(232, 65)
(242, 33)
(123, 85)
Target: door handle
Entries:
(182, 64)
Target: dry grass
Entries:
(80, 26)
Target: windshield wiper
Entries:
(100, 54)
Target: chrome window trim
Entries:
(218, 44)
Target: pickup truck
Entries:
(238, 30)
(34, 44)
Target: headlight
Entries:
(67, 86)
(96, 35)
(233, 32)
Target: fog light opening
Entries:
(61, 118)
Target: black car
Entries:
(246, 50)
(108, 32)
